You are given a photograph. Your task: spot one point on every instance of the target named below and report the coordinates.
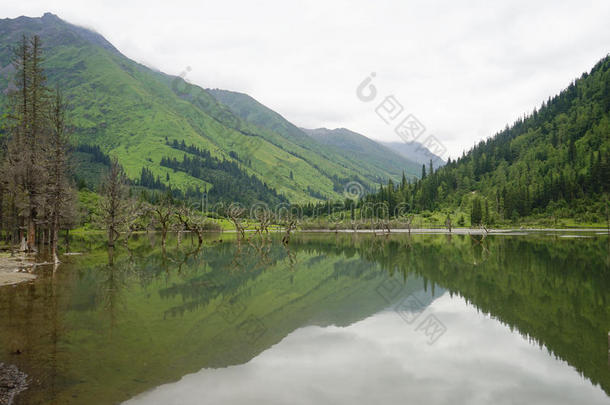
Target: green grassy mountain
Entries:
(357, 147)
(143, 116)
(554, 163)
(355, 152)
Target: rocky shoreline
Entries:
(12, 382)
(15, 269)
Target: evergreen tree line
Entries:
(153, 190)
(148, 180)
(97, 155)
(229, 182)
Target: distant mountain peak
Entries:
(323, 131)
(360, 148)
(50, 16)
(53, 29)
(414, 152)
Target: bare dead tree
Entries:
(163, 214)
(409, 222)
(113, 204)
(70, 213)
(236, 213)
(448, 223)
(264, 218)
(290, 225)
(36, 142)
(183, 220)
(24, 168)
(386, 225)
(354, 225)
(134, 212)
(57, 186)
(198, 225)
(191, 221)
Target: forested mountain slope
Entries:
(553, 163)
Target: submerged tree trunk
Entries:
(31, 241)
(110, 256)
(111, 237)
(67, 240)
(55, 237)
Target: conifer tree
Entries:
(476, 213)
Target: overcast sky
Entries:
(464, 69)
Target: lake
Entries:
(330, 319)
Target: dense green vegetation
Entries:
(88, 166)
(553, 163)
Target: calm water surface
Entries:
(333, 319)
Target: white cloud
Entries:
(464, 68)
